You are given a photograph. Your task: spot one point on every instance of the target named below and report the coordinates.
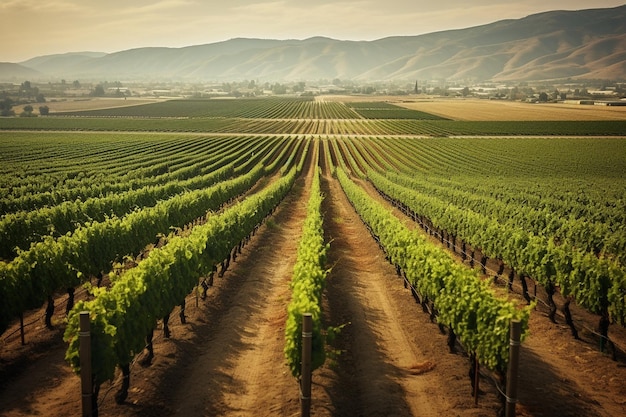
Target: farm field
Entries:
(95, 103)
(304, 115)
(473, 109)
(421, 230)
(491, 110)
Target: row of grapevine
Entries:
(586, 235)
(68, 168)
(309, 276)
(124, 314)
(462, 301)
(356, 126)
(22, 228)
(302, 109)
(598, 284)
(556, 248)
(247, 108)
(348, 158)
(55, 264)
(43, 188)
(579, 178)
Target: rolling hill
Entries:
(16, 73)
(551, 45)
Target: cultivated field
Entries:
(472, 109)
(82, 104)
(491, 110)
(209, 226)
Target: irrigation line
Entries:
(57, 314)
(6, 338)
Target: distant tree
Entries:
(369, 90)
(543, 97)
(299, 87)
(40, 98)
(98, 91)
(26, 90)
(279, 89)
(465, 92)
(6, 106)
(28, 111)
(76, 84)
(44, 110)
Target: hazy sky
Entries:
(30, 28)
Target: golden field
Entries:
(492, 110)
(473, 109)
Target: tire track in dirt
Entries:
(44, 389)
(242, 369)
(382, 370)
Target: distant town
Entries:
(594, 92)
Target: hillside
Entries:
(59, 63)
(16, 72)
(558, 44)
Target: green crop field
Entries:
(299, 116)
(384, 110)
(82, 193)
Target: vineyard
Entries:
(413, 240)
(286, 116)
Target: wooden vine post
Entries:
(512, 372)
(85, 364)
(476, 381)
(23, 340)
(305, 378)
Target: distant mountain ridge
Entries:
(9, 71)
(551, 45)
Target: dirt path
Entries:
(394, 361)
(558, 374)
(235, 365)
(242, 371)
